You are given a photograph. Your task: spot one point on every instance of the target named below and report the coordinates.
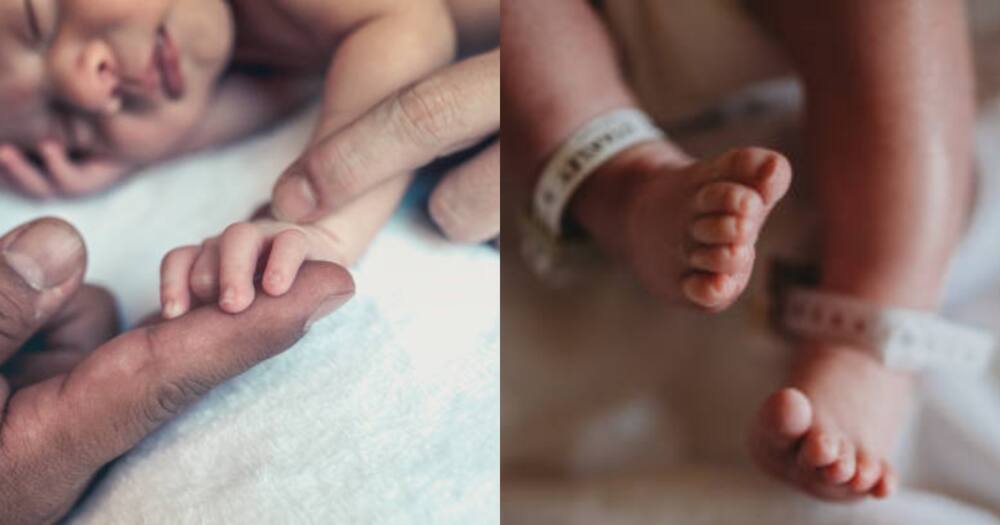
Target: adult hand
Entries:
(452, 110)
(66, 411)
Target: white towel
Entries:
(387, 412)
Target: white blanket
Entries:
(387, 412)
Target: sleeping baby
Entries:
(93, 89)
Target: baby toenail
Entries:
(721, 286)
(827, 444)
(743, 203)
(690, 287)
(740, 228)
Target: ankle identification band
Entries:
(578, 158)
(901, 338)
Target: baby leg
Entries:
(889, 122)
(686, 227)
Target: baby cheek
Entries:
(21, 117)
(143, 141)
(16, 94)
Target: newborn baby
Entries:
(92, 89)
(888, 134)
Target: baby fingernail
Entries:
(46, 254)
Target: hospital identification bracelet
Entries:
(900, 338)
(590, 147)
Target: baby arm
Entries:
(382, 56)
(226, 268)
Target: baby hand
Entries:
(59, 174)
(225, 268)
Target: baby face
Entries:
(124, 79)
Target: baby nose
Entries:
(90, 80)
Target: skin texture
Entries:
(450, 111)
(408, 40)
(82, 83)
(888, 132)
(687, 228)
(75, 401)
(303, 40)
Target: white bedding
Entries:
(387, 412)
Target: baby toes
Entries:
(766, 171)
(728, 259)
(728, 197)
(786, 416)
(842, 469)
(887, 484)
(819, 449)
(712, 291)
(867, 473)
(724, 229)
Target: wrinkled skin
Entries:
(71, 400)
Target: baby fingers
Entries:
(204, 279)
(76, 178)
(64, 174)
(226, 268)
(288, 251)
(240, 249)
(22, 176)
(175, 279)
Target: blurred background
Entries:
(617, 409)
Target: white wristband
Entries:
(902, 339)
(589, 148)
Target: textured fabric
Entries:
(387, 412)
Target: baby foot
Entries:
(830, 431)
(691, 230)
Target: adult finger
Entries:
(136, 382)
(455, 108)
(466, 204)
(41, 266)
(88, 320)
